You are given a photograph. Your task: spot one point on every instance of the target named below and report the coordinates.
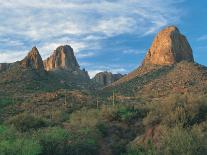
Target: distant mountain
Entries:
(106, 78)
(60, 70)
(167, 68)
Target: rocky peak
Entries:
(106, 78)
(33, 60)
(62, 58)
(169, 47)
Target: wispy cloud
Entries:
(202, 38)
(8, 57)
(134, 51)
(84, 24)
(92, 73)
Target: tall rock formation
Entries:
(106, 78)
(62, 58)
(169, 47)
(33, 60)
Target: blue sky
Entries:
(111, 35)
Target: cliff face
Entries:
(169, 47)
(62, 58)
(106, 78)
(33, 60)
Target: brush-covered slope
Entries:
(181, 77)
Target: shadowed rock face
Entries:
(169, 47)
(106, 78)
(33, 60)
(62, 58)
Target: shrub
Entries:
(144, 149)
(177, 109)
(84, 118)
(25, 122)
(124, 113)
(13, 143)
(58, 141)
(20, 146)
(83, 142)
(6, 101)
(179, 140)
(53, 140)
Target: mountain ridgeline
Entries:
(168, 67)
(52, 107)
(170, 55)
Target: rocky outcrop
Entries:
(169, 47)
(4, 66)
(106, 78)
(62, 58)
(33, 60)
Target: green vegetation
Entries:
(14, 143)
(173, 125)
(6, 101)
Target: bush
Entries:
(177, 109)
(53, 140)
(144, 149)
(83, 142)
(84, 118)
(13, 143)
(123, 113)
(58, 141)
(20, 146)
(6, 101)
(25, 122)
(179, 140)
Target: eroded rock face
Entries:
(33, 60)
(62, 58)
(106, 78)
(4, 66)
(169, 47)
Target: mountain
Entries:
(33, 60)
(169, 47)
(64, 60)
(168, 67)
(32, 74)
(106, 78)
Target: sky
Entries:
(106, 35)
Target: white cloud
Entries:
(9, 57)
(92, 73)
(81, 23)
(85, 55)
(202, 38)
(134, 52)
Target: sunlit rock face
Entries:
(33, 60)
(169, 47)
(62, 58)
